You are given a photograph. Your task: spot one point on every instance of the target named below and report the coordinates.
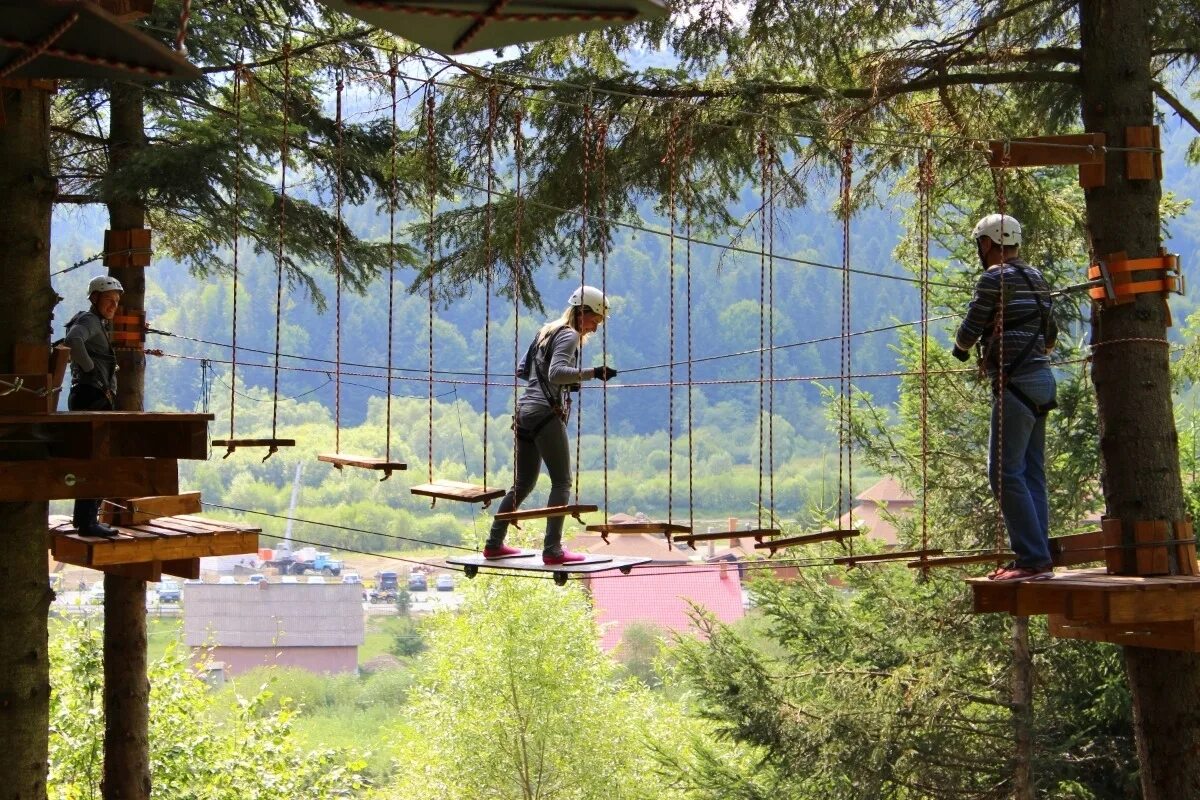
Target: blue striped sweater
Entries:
(1023, 312)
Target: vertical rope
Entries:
(185, 14)
(844, 428)
(283, 164)
(770, 211)
(337, 268)
(237, 235)
(518, 252)
(998, 334)
(762, 314)
(392, 70)
(583, 247)
(925, 190)
(672, 134)
(431, 186)
(487, 237)
(687, 160)
(602, 159)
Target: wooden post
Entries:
(126, 688)
(1022, 704)
(1131, 373)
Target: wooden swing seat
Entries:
(965, 560)
(549, 511)
(877, 558)
(807, 538)
(455, 490)
(340, 460)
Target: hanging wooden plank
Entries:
(878, 558)
(1145, 165)
(961, 561)
(570, 510)
(455, 490)
(807, 538)
(340, 460)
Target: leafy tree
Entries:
(515, 699)
(196, 753)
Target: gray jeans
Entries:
(541, 436)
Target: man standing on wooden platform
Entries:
(94, 375)
(1011, 316)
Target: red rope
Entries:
(585, 221)
(672, 166)
(35, 50)
(185, 13)
(845, 433)
(431, 185)
(602, 159)
(487, 235)
(391, 264)
(764, 185)
(237, 235)
(518, 253)
(283, 161)
(337, 266)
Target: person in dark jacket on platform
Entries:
(551, 371)
(93, 375)
(1011, 316)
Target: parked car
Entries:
(316, 579)
(169, 591)
(351, 577)
(444, 582)
(256, 579)
(417, 582)
(227, 579)
(288, 579)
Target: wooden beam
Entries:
(188, 568)
(1078, 548)
(150, 571)
(549, 511)
(1180, 635)
(69, 479)
(143, 509)
(167, 546)
(1144, 165)
(808, 538)
(455, 490)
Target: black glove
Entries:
(960, 354)
(604, 372)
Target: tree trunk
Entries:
(1138, 442)
(1022, 703)
(126, 687)
(26, 304)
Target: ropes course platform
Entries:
(1161, 612)
(171, 545)
(340, 460)
(454, 490)
(531, 561)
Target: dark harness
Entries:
(1001, 381)
(562, 410)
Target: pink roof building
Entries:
(660, 593)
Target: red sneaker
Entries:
(565, 557)
(503, 551)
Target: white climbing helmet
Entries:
(104, 283)
(590, 298)
(1000, 228)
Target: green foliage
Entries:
(515, 700)
(198, 750)
(887, 686)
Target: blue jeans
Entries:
(541, 438)
(1018, 471)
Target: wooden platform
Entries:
(1158, 612)
(99, 435)
(340, 460)
(171, 545)
(74, 478)
(461, 492)
(561, 572)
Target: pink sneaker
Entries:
(565, 557)
(503, 551)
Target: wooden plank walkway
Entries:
(531, 561)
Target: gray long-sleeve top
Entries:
(558, 356)
(93, 362)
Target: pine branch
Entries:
(358, 33)
(1177, 106)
